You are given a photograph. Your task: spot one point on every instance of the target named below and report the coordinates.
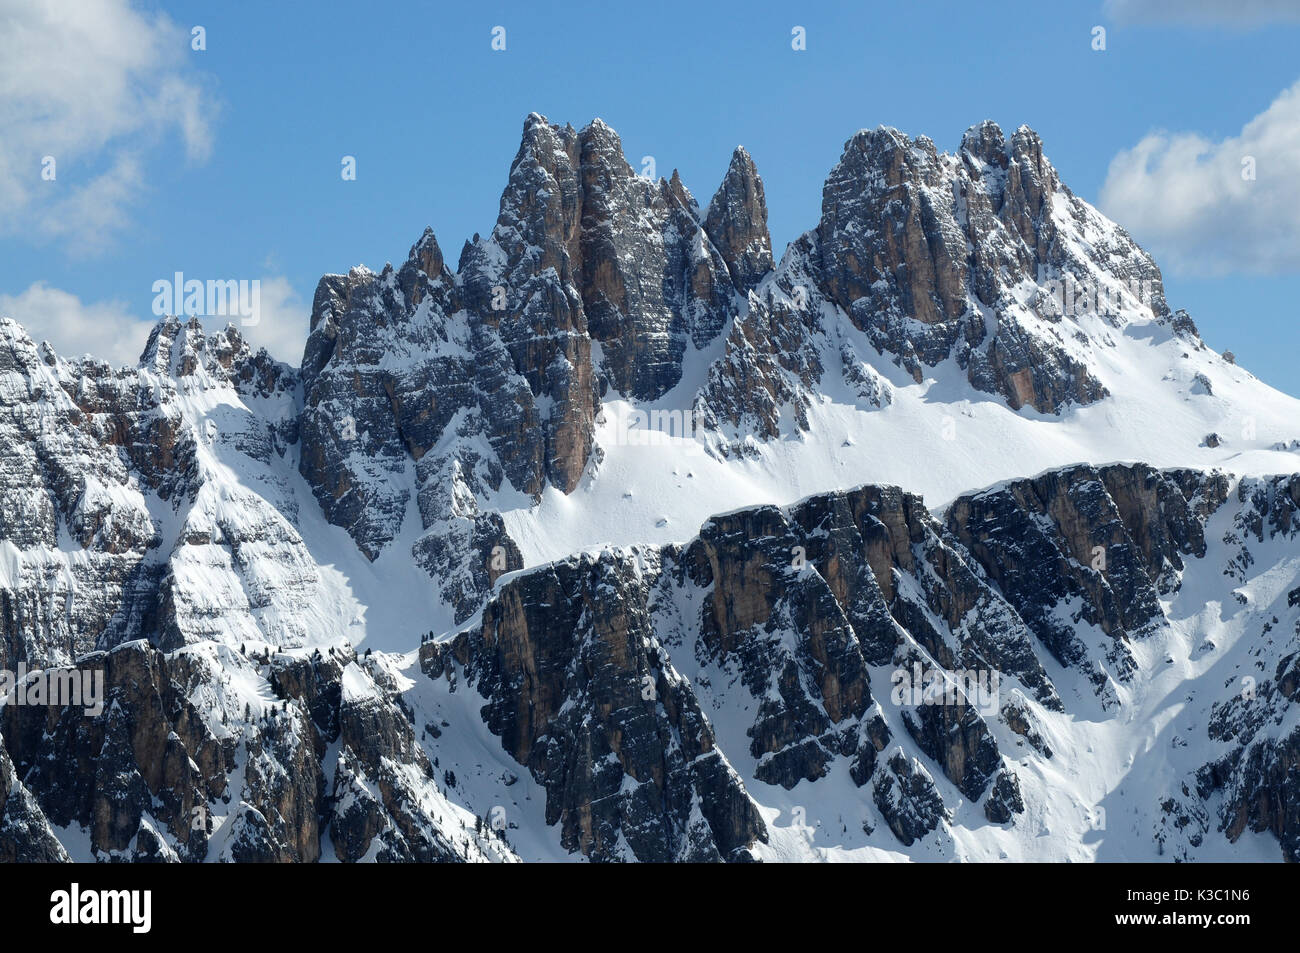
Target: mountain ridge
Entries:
(613, 446)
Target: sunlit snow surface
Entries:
(938, 438)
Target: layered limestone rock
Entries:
(586, 250)
(653, 694)
(953, 242)
(581, 692)
(450, 389)
(597, 282)
(767, 629)
(1106, 543)
(597, 672)
(800, 603)
(65, 473)
(984, 258)
(523, 283)
(1258, 770)
(406, 398)
(766, 615)
(150, 528)
(98, 462)
(185, 765)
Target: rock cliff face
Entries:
(800, 604)
(758, 642)
(1108, 541)
(1255, 726)
(582, 694)
(186, 764)
(406, 399)
(420, 384)
(121, 465)
(853, 675)
(983, 258)
(129, 552)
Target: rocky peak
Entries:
(428, 256)
(883, 221)
(682, 195)
(1038, 179)
(736, 222)
(174, 347)
(586, 250)
(541, 204)
(934, 256)
(985, 144)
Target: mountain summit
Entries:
(626, 540)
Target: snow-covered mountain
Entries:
(625, 541)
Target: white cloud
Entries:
(282, 325)
(106, 329)
(1189, 198)
(1238, 13)
(96, 85)
(110, 331)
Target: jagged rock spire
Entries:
(737, 222)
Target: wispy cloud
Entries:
(97, 86)
(1216, 207)
(282, 325)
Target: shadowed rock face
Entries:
(803, 602)
(905, 796)
(174, 752)
(25, 835)
(579, 691)
(813, 695)
(935, 256)
(523, 282)
(415, 359)
(1111, 539)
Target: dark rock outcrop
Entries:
(1004, 800)
(904, 794)
(1106, 542)
(176, 768)
(580, 692)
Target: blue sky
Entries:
(225, 163)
